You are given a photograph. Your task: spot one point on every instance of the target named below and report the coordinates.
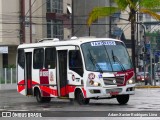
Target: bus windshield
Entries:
(104, 56)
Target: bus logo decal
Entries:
(43, 73)
(103, 43)
(114, 81)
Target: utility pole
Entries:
(151, 62)
(30, 19)
(22, 21)
(72, 21)
(137, 38)
(110, 20)
(144, 66)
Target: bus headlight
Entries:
(131, 81)
(93, 83)
(96, 84)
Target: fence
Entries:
(8, 76)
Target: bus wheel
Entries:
(81, 100)
(123, 99)
(39, 98)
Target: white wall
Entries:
(37, 19)
(0, 21)
(10, 14)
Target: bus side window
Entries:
(38, 58)
(75, 61)
(50, 58)
(21, 58)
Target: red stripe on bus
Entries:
(22, 82)
(71, 88)
(67, 89)
(48, 90)
(29, 84)
(64, 91)
(21, 85)
(84, 92)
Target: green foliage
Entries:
(154, 33)
(154, 38)
(10, 66)
(121, 4)
(99, 12)
(149, 4)
(146, 6)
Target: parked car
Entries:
(141, 77)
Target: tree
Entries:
(134, 6)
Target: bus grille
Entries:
(118, 80)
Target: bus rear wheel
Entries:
(122, 99)
(41, 99)
(81, 100)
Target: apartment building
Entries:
(27, 21)
(9, 31)
(81, 10)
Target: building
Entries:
(81, 10)
(9, 31)
(27, 21)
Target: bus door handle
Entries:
(77, 79)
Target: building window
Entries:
(55, 6)
(55, 29)
(38, 58)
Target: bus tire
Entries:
(39, 98)
(122, 99)
(81, 100)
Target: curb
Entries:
(138, 87)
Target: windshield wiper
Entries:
(113, 56)
(116, 59)
(94, 62)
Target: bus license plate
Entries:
(114, 93)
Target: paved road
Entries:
(143, 100)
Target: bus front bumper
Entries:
(102, 92)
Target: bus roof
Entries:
(55, 42)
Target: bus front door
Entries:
(62, 76)
(28, 73)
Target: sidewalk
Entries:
(147, 86)
(142, 85)
(8, 86)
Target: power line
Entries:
(29, 9)
(40, 6)
(65, 23)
